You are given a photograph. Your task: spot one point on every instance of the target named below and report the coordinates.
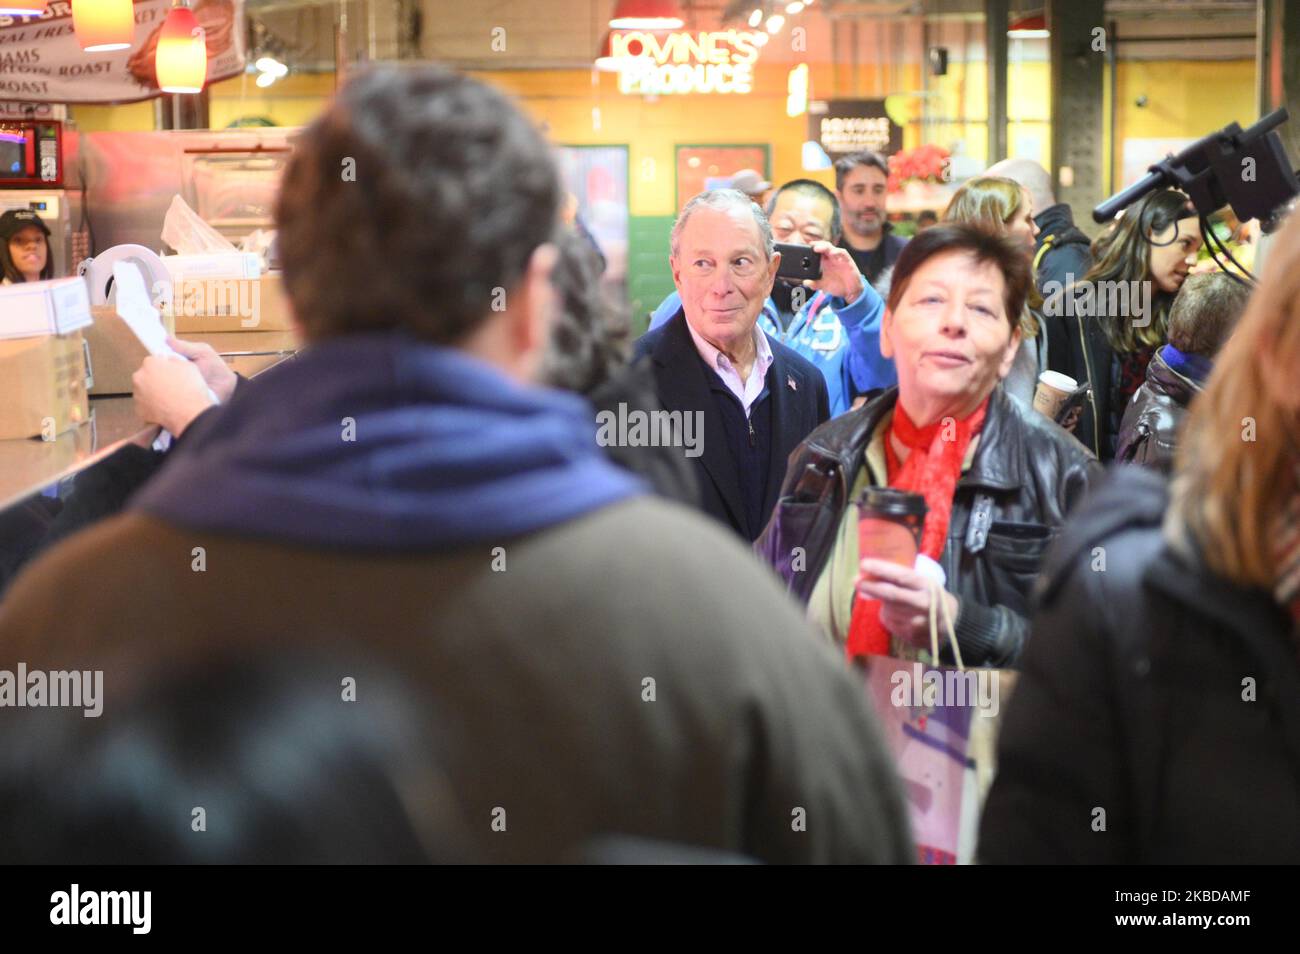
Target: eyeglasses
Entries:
(743, 267)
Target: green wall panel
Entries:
(649, 279)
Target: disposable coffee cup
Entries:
(890, 524)
(1053, 388)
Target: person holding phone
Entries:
(996, 476)
(824, 310)
(755, 398)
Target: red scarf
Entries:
(932, 469)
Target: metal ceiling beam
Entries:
(1078, 70)
(997, 19)
(1277, 67)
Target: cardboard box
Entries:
(57, 307)
(42, 386)
(230, 304)
(214, 265)
(115, 352)
(248, 352)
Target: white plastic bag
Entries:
(188, 234)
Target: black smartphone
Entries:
(1073, 405)
(798, 263)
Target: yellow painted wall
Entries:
(1185, 99)
(292, 101)
(579, 111)
(960, 109)
(129, 117)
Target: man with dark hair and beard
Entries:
(610, 663)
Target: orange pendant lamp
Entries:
(181, 61)
(22, 8)
(103, 25)
(646, 15)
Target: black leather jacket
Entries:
(1149, 432)
(1026, 475)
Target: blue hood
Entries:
(446, 451)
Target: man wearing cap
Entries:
(24, 248)
(750, 182)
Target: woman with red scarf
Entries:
(998, 478)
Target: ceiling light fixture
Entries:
(646, 15)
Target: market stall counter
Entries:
(34, 473)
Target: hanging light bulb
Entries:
(756, 17)
(181, 60)
(774, 23)
(103, 25)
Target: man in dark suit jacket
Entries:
(756, 398)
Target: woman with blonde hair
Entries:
(1158, 717)
(1005, 207)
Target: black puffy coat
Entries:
(1153, 691)
(1148, 433)
(1063, 252)
(1027, 473)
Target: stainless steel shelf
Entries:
(29, 466)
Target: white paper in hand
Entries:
(145, 322)
(134, 308)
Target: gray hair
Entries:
(1032, 176)
(1207, 308)
(721, 200)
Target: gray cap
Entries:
(750, 182)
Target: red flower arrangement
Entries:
(928, 163)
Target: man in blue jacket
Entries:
(839, 336)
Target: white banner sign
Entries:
(33, 111)
(41, 61)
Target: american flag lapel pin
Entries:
(789, 380)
